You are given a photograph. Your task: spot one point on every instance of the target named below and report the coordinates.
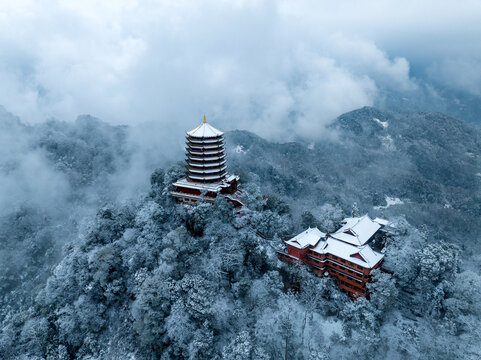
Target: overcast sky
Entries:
(278, 68)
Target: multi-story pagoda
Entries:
(345, 254)
(206, 168)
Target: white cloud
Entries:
(458, 73)
(26, 175)
(280, 68)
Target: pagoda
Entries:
(206, 168)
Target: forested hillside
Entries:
(423, 166)
(148, 278)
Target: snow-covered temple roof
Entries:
(204, 130)
(309, 237)
(348, 243)
(357, 231)
(360, 255)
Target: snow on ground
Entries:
(389, 202)
(384, 124)
(239, 149)
(310, 146)
(387, 142)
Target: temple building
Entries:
(345, 254)
(206, 168)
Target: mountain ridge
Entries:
(370, 161)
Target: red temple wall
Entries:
(298, 253)
(188, 190)
(345, 271)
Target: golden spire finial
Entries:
(204, 119)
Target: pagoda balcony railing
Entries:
(206, 179)
(192, 143)
(204, 150)
(204, 146)
(206, 158)
(211, 153)
(207, 175)
(200, 168)
(205, 140)
(205, 171)
(207, 168)
(215, 163)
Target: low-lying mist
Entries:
(55, 175)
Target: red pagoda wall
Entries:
(188, 191)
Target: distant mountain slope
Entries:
(428, 163)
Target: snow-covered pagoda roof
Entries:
(309, 237)
(360, 255)
(212, 187)
(357, 231)
(204, 130)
